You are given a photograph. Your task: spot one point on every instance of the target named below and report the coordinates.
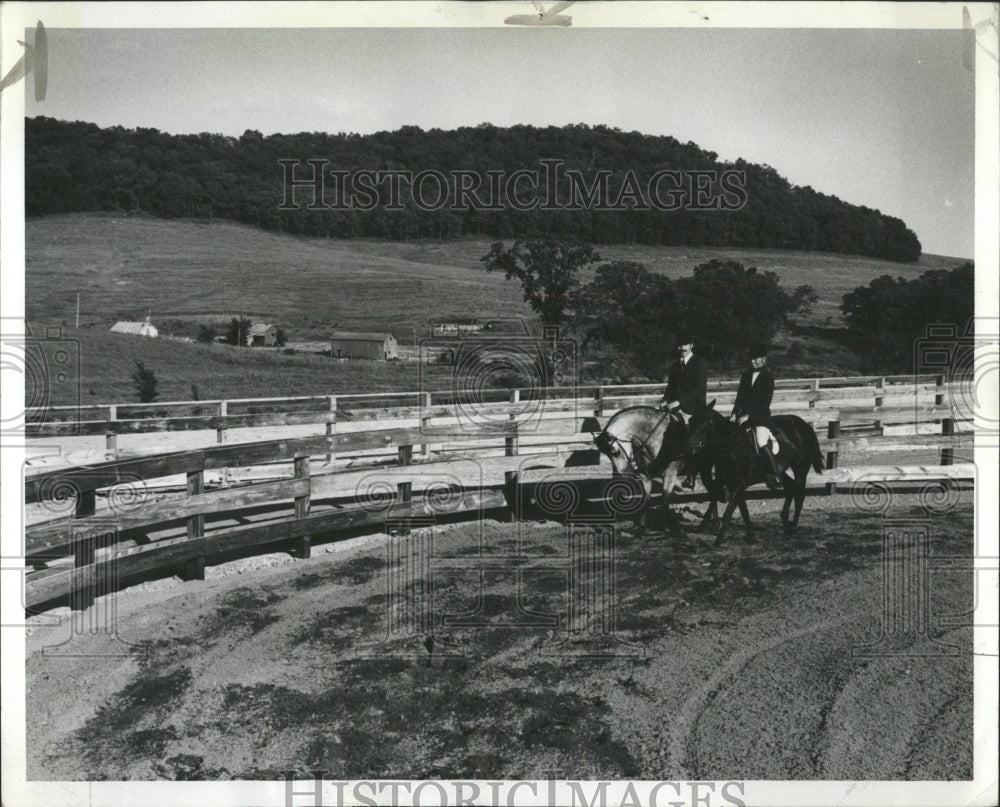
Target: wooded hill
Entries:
(81, 167)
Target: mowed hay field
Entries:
(189, 273)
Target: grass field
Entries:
(189, 273)
(107, 360)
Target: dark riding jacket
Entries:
(688, 384)
(754, 399)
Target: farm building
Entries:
(135, 328)
(262, 335)
(363, 345)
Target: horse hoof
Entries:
(750, 538)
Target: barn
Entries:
(135, 328)
(262, 335)
(363, 345)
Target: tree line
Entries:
(626, 320)
(78, 167)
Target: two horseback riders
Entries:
(730, 453)
(686, 394)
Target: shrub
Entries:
(145, 383)
(236, 331)
(723, 304)
(890, 314)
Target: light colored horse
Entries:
(632, 440)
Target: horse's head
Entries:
(700, 428)
(610, 445)
(629, 439)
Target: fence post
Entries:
(939, 392)
(947, 452)
(510, 443)
(599, 402)
(194, 569)
(425, 422)
(303, 544)
(510, 477)
(220, 433)
(832, 433)
(813, 393)
(220, 437)
(879, 398)
(86, 504)
(404, 490)
(331, 425)
(111, 439)
(84, 576)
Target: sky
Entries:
(882, 118)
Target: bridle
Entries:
(620, 444)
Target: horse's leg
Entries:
(745, 512)
(671, 521)
(642, 522)
(800, 492)
(790, 488)
(711, 518)
(735, 498)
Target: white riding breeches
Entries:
(763, 436)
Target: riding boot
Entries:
(773, 479)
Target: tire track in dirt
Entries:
(694, 706)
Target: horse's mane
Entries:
(629, 409)
(716, 420)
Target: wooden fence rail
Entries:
(317, 492)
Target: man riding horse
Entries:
(687, 384)
(752, 410)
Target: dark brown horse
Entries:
(734, 455)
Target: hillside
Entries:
(592, 183)
(197, 271)
(211, 372)
(189, 273)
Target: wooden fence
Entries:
(174, 511)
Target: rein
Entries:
(630, 456)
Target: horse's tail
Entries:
(817, 456)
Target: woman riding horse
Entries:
(752, 409)
(719, 441)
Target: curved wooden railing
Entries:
(181, 509)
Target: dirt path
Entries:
(733, 662)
